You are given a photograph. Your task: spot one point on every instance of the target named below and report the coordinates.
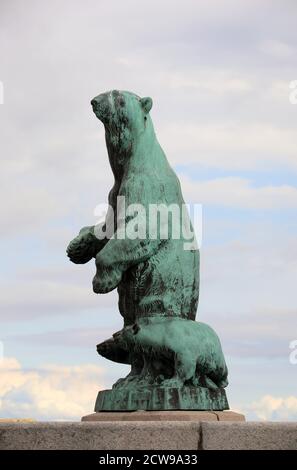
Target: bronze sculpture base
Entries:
(156, 398)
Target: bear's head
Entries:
(127, 335)
(125, 117)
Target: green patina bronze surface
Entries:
(176, 362)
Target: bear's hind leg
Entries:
(185, 366)
(210, 383)
(184, 370)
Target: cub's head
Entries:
(125, 116)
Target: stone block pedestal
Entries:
(186, 415)
(149, 435)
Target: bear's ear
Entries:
(146, 104)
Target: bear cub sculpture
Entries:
(193, 346)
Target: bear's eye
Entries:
(135, 328)
(121, 102)
(145, 118)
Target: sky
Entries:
(219, 73)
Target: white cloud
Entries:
(279, 90)
(271, 408)
(36, 193)
(50, 393)
(277, 49)
(215, 82)
(72, 337)
(26, 209)
(248, 288)
(238, 192)
(29, 299)
(230, 146)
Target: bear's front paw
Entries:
(82, 248)
(102, 286)
(106, 278)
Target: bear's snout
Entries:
(94, 104)
(101, 106)
(99, 102)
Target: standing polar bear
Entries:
(155, 270)
(153, 276)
